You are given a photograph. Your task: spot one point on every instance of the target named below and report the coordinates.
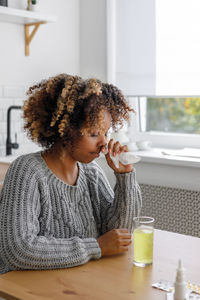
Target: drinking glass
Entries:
(143, 241)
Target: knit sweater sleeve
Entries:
(118, 207)
(21, 246)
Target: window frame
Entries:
(158, 139)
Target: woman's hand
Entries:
(114, 242)
(115, 148)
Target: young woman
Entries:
(57, 209)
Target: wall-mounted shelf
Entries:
(28, 19)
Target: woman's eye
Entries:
(97, 134)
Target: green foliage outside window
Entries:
(181, 115)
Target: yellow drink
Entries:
(143, 245)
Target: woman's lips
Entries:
(96, 154)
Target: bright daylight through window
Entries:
(170, 115)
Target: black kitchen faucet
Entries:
(9, 144)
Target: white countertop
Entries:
(156, 155)
(16, 153)
(8, 158)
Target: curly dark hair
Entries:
(64, 107)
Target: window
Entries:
(166, 121)
(170, 114)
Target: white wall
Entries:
(54, 49)
(93, 38)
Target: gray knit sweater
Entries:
(48, 224)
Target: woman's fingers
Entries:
(114, 241)
(124, 148)
(125, 242)
(110, 146)
(122, 230)
(123, 249)
(114, 147)
(125, 236)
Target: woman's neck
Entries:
(61, 164)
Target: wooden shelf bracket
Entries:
(29, 36)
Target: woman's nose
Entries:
(103, 141)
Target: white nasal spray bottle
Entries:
(180, 285)
(125, 158)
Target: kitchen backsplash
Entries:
(13, 95)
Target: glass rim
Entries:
(144, 219)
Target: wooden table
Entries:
(110, 278)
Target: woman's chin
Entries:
(87, 160)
